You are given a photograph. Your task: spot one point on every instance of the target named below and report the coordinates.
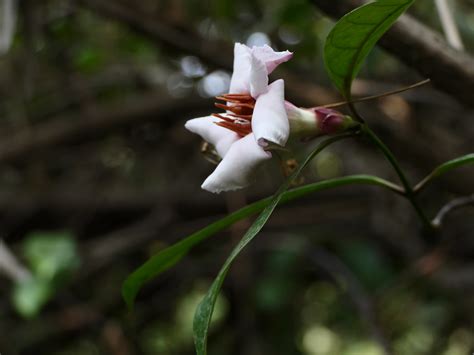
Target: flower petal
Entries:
(258, 77)
(221, 138)
(240, 82)
(269, 120)
(250, 74)
(271, 58)
(237, 168)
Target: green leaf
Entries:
(167, 258)
(444, 168)
(202, 317)
(30, 295)
(452, 164)
(51, 254)
(353, 37)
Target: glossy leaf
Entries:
(354, 35)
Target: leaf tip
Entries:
(129, 294)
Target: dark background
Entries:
(93, 99)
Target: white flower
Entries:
(255, 116)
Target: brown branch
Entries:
(22, 212)
(421, 48)
(418, 46)
(215, 53)
(97, 123)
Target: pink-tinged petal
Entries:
(237, 168)
(258, 77)
(269, 120)
(221, 138)
(271, 58)
(240, 81)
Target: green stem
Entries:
(203, 314)
(357, 117)
(409, 193)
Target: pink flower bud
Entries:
(331, 121)
(316, 121)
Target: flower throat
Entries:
(239, 118)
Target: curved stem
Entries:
(373, 97)
(389, 155)
(203, 313)
(444, 168)
(357, 117)
(409, 193)
(454, 204)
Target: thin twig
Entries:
(449, 25)
(451, 206)
(373, 97)
(421, 48)
(10, 266)
(7, 28)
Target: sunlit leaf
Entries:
(30, 295)
(50, 254)
(354, 35)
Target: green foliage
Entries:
(279, 281)
(168, 257)
(444, 168)
(202, 317)
(30, 295)
(296, 29)
(367, 263)
(224, 8)
(354, 35)
(174, 336)
(51, 257)
(452, 164)
(89, 60)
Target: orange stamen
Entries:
(222, 117)
(241, 107)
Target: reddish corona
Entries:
(239, 111)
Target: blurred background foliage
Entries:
(98, 173)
